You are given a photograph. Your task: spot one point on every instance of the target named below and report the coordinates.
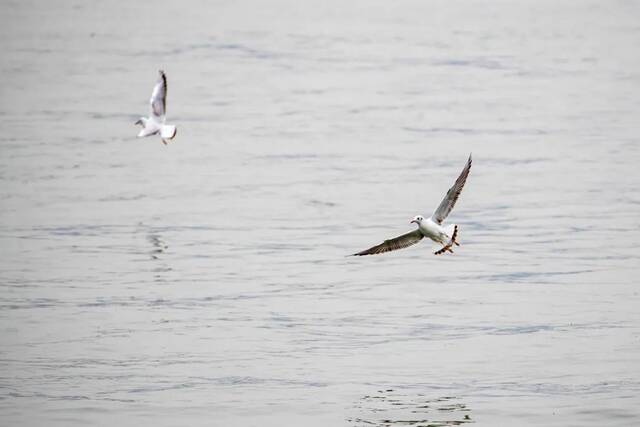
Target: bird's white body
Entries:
(153, 126)
(436, 232)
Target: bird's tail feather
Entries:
(168, 131)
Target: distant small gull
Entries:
(432, 227)
(155, 123)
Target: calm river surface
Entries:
(205, 282)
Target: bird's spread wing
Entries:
(450, 199)
(400, 242)
(159, 96)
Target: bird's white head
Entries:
(417, 219)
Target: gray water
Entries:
(206, 283)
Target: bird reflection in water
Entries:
(158, 248)
(391, 408)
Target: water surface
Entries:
(206, 283)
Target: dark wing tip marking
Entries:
(455, 235)
(163, 99)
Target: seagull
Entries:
(431, 227)
(155, 123)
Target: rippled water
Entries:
(206, 283)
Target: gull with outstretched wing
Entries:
(431, 227)
(155, 123)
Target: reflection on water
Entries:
(159, 246)
(389, 408)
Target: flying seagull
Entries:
(154, 124)
(431, 227)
